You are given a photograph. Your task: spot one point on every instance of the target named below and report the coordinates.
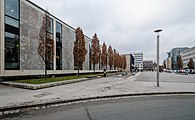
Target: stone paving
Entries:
(115, 85)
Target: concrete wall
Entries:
(68, 38)
(86, 63)
(30, 23)
(127, 56)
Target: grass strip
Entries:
(49, 80)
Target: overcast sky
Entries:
(128, 25)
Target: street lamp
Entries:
(157, 76)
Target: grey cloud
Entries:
(128, 25)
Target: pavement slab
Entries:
(142, 82)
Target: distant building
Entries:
(148, 65)
(130, 62)
(167, 63)
(138, 60)
(173, 57)
(187, 55)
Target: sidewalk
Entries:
(110, 86)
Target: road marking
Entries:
(88, 114)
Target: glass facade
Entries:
(49, 43)
(12, 8)
(49, 25)
(90, 66)
(12, 42)
(58, 46)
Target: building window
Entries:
(12, 8)
(49, 25)
(58, 46)
(49, 38)
(90, 66)
(12, 42)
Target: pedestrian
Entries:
(104, 72)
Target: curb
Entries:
(48, 85)
(42, 86)
(8, 110)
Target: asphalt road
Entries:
(137, 108)
(165, 77)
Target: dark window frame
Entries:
(7, 25)
(59, 47)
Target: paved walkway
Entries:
(114, 85)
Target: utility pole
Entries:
(157, 75)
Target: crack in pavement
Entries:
(88, 114)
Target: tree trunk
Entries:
(78, 72)
(94, 68)
(45, 70)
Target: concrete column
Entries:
(1, 37)
(54, 38)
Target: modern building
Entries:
(130, 62)
(173, 55)
(138, 61)
(148, 65)
(168, 63)
(21, 23)
(187, 55)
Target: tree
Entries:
(191, 64)
(100, 55)
(110, 57)
(118, 61)
(79, 49)
(46, 42)
(95, 51)
(124, 62)
(115, 59)
(104, 55)
(179, 62)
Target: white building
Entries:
(138, 60)
(187, 55)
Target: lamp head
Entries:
(157, 31)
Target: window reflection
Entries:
(12, 48)
(49, 25)
(58, 46)
(11, 21)
(11, 51)
(12, 8)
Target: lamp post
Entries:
(157, 75)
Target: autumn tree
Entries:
(179, 62)
(100, 55)
(79, 49)
(110, 57)
(124, 62)
(115, 59)
(191, 64)
(95, 51)
(104, 55)
(118, 61)
(46, 43)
